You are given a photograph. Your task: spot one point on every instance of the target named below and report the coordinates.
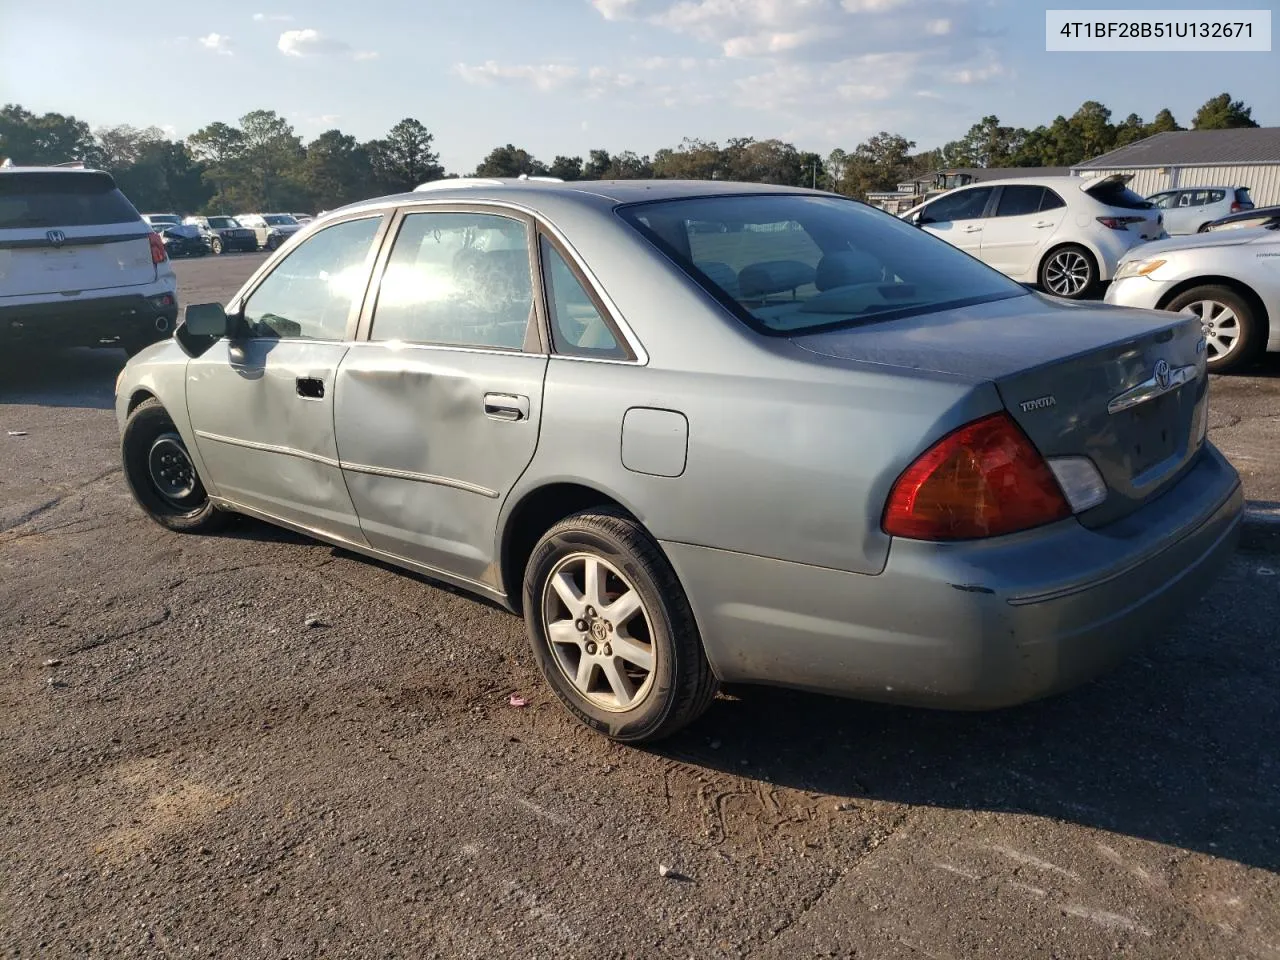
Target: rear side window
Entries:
(62, 200)
(1051, 200)
(1217, 196)
(1116, 194)
(1018, 201)
(577, 327)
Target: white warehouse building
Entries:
(1245, 157)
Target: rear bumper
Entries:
(968, 625)
(136, 318)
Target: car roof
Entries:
(598, 193)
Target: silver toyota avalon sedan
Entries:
(701, 432)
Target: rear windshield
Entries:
(279, 220)
(62, 200)
(1242, 195)
(221, 223)
(790, 263)
(1116, 194)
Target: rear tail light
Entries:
(1236, 207)
(158, 252)
(1119, 223)
(983, 480)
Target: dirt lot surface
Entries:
(187, 769)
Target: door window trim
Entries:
(534, 343)
(236, 307)
(540, 343)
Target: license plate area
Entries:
(1154, 432)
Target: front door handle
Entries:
(311, 388)
(1042, 224)
(972, 229)
(506, 406)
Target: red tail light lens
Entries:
(1119, 223)
(983, 480)
(158, 253)
(1236, 208)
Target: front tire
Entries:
(161, 475)
(215, 245)
(1069, 272)
(612, 630)
(1230, 323)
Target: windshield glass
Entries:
(62, 200)
(163, 218)
(220, 223)
(279, 220)
(788, 263)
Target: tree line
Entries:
(261, 163)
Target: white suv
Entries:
(1065, 234)
(272, 229)
(78, 264)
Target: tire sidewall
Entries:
(1089, 259)
(1245, 347)
(144, 425)
(634, 724)
(215, 246)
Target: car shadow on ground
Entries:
(80, 377)
(1178, 746)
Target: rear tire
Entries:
(1070, 272)
(215, 246)
(1203, 228)
(161, 475)
(623, 652)
(1232, 326)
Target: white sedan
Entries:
(1231, 280)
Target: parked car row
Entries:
(1072, 235)
(219, 234)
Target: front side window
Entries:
(457, 279)
(1018, 201)
(280, 220)
(961, 205)
(790, 263)
(577, 326)
(309, 295)
(222, 223)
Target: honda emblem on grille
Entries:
(56, 237)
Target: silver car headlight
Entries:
(1139, 268)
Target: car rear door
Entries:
(958, 217)
(1177, 218)
(1024, 218)
(68, 232)
(439, 404)
(262, 403)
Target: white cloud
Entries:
(312, 43)
(272, 17)
(613, 9)
(217, 42)
(764, 44)
(542, 76)
(937, 28)
(972, 75)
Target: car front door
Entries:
(439, 403)
(958, 217)
(262, 403)
(1016, 234)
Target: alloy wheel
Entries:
(1067, 273)
(599, 632)
(1221, 326)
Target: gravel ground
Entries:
(188, 769)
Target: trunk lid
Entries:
(68, 231)
(1124, 210)
(1125, 388)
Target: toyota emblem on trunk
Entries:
(56, 237)
(1162, 374)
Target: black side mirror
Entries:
(203, 325)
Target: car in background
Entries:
(1064, 234)
(270, 229)
(815, 449)
(1268, 217)
(159, 220)
(303, 218)
(226, 233)
(184, 240)
(78, 264)
(1230, 279)
(1192, 209)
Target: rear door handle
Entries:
(506, 406)
(972, 229)
(311, 388)
(1042, 224)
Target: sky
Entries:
(567, 76)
